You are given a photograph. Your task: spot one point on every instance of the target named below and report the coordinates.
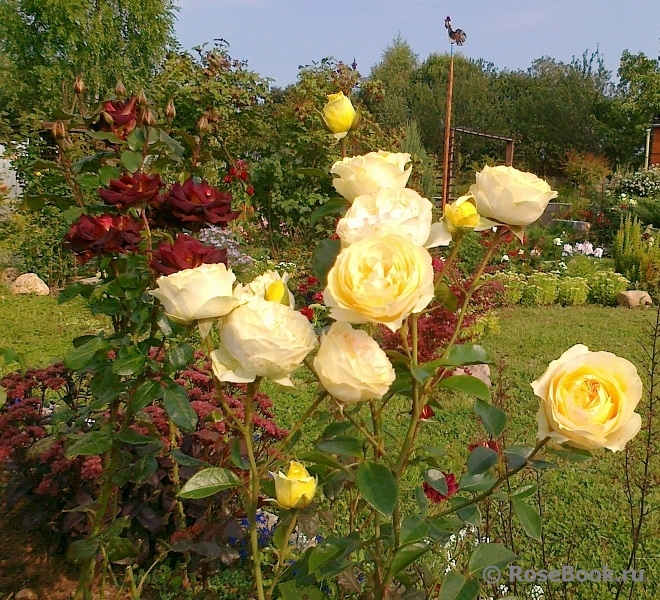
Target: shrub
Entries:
(572, 291)
(512, 286)
(605, 285)
(541, 289)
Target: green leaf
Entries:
(445, 296)
(324, 257)
(108, 173)
(472, 386)
(107, 136)
(71, 214)
(90, 444)
(120, 548)
(88, 180)
(493, 418)
(436, 479)
(413, 529)
(407, 555)
(377, 486)
(82, 550)
(572, 454)
(177, 405)
(312, 172)
(209, 481)
(481, 459)
(80, 357)
(524, 491)
(145, 394)
(470, 514)
(529, 518)
(455, 586)
(3, 397)
(132, 161)
(181, 356)
(91, 163)
(292, 591)
(139, 471)
(344, 445)
(476, 483)
(9, 355)
(489, 555)
(129, 361)
(467, 354)
(330, 550)
(135, 140)
(130, 436)
(174, 146)
(187, 461)
(334, 206)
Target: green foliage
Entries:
(605, 285)
(423, 176)
(630, 249)
(513, 286)
(540, 289)
(572, 291)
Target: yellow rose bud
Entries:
(338, 114)
(296, 489)
(588, 400)
(277, 292)
(461, 215)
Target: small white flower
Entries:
(557, 241)
(568, 249)
(505, 258)
(598, 253)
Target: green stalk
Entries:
(281, 556)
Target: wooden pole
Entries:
(445, 162)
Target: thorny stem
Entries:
(282, 555)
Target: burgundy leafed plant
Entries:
(185, 253)
(91, 236)
(131, 190)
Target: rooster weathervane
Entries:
(457, 36)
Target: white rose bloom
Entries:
(403, 212)
(365, 174)
(262, 339)
(200, 295)
(510, 196)
(351, 365)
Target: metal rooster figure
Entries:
(457, 36)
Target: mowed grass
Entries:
(585, 513)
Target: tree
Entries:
(47, 44)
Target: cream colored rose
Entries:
(197, 295)
(338, 114)
(351, 365)
(401, 212)
(267, 285)
(588, 400)
(296, 489)
(365, 174)
(262, 339)
(509, 196)
(380, 280)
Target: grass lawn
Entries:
(585, 514)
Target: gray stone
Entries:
(479, 371)
(30, 283)
(9, 275)
(26, 594)
(634, 298)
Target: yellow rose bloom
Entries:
(380, 280)
(588, 400)
(461, 215)
(338, 114)
(296, 489)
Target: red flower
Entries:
(308, 312)
(427, 412)
(492, 444)
(186, 253)
(435, 496)
(90, 236)
(131, 190)
(199, 203)
(119, 117)
(249, 190)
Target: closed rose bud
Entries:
(148, 118)
(142, 98)
(59, 130)
(120, 90)
(170, 111)
(79, 86)
(296, 489)
(203, 125)
(338, 114)
(462, 215)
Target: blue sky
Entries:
(276, 36)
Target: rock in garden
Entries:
(479, 371)
(26, 594)
(9, 275)
(633, 298)
(30, 283)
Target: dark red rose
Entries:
(185, 253)
(107, 234)
(131, 190)
(195, 202)
(435, 496)
(492, 444)
(119, 117)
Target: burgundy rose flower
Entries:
(186, 253)
(131, 190)
(195, 202)
(492, 444)
(119, 117)
(435, 496)
(90, 236)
